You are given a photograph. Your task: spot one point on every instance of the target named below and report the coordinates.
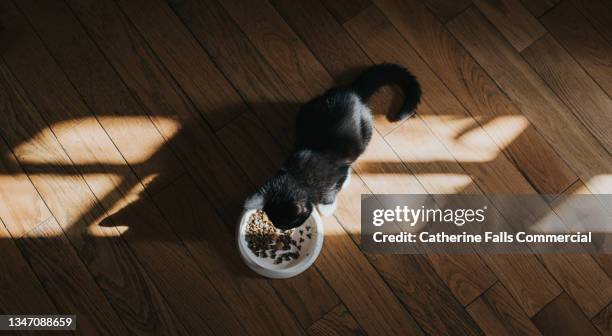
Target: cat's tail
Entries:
(385, 74)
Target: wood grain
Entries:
(142, 72)
(539, 104)
(597, 11)
(342, 257)
(311, 285)
(242, 64)
(603, 321)
(562, 317)
(472, 86)
(22, 292)
(21, 208)
(122, 118)
(582, 41)
(338, 321)
(497, 313)
(533, 293)
(185, 59)
(280, 46)
(213, 246)
(345, 10)
(588, 285)
(416, 140)
(122, 278)
(576, 89)
(539, 7)
(119, 273)
(252, 147)
(64, 275)
(326, 39)
(517, 25)
(446, 10)
(339, 54)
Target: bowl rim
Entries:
(284, 273)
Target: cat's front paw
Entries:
(327, 210)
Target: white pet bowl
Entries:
(287, 269)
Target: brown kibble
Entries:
(265, 240)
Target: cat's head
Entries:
(287, 214)
(285, 203)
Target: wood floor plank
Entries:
(214, 247)
(582, 41)
(588, 285)
(497, 313)
(539, 104)
(109, 99)
(326, 39)
(563, 317)
(597, 12)
(311, 285)
(532, 293)
(539, 7)
(414, 142)
(142, 72)
(21, 208)
(242, 64)
(382, 171)
(94, 235)
(603, 321)
(338, 53)
(344, 10)
(584, 281)
(253, 148)
(342, 257)
(280, 46)
(338, 321)
(185, 59)
(472, 86)
(517, 25)
(576, 89)
(446, 10)
(63, 274)
(121, 275)
(21, 291)
(538, 98)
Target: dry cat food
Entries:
(267, 241)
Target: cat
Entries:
(333, 130)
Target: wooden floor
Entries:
(132, 130)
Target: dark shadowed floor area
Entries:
(131, 132)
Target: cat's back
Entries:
(336, 122)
